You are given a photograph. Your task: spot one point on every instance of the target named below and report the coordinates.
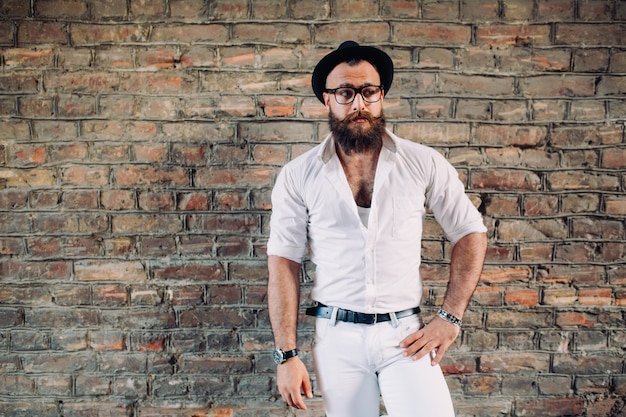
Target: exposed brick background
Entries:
(139, 141)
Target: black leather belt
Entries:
(348, 316)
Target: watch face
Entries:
(278, 356)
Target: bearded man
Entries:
(357, 201)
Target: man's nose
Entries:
(358, 102)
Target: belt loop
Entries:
(333, 317)
(394, 320)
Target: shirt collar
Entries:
(328, 150)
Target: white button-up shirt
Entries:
(373, 269)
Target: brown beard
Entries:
(359, 139)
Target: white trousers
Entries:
(357, 363)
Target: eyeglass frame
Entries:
(356, 91)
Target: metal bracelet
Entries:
(450, 318)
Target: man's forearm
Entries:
(283, 299)
(466, 264)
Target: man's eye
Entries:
(368, 92)
(345, 93)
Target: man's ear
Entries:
(326, 99)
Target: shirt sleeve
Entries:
(289, 219)
(452, 208)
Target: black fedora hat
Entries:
(348, 51)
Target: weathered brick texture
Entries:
(139, 141)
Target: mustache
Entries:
(360, 115)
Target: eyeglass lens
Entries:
(346, 95)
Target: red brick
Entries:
(68, 152)
(29, 58)
(615, 205)
(11, 246)
(107, 340)
(216, 177)
(522, 35)
(537, 252)
(510, 135)
(479, 10)
(35, 270)
(569, 319)
(138, 176)
(110, 295)
(150, 152)
(114, 57)
(153, 342)
(16, 384)
(86, 175)
(109, 271)
(508, 319)
(556, 86)
(576, 180)
(214, 318)
(156, 107)
(156, 201)
(435, 133)
(92, 385)
(14, 8)
(27, 154)
(87, 34)
(551, 407)
(79, 199)
(157, 83)
(525, 297)
(190, 271)
(612, 85)
(614, 158)
(149, 296)
(488, 296)
(187, 8)
(36, 32)
(482, 385)
(559, 296)
(591, 60)
(278, 106)
(365, 33)
(51, 386)
(185, 296)
(232, 246)
(440, 10)
(34, 106)
(18, 83)
(468, 84)
(118, 199)
(277, 32)
(146, 223)
(509, 362)
(589, 34)
(231, 200)
(139, 318)
(505, 275)
(76, 106)
(120, 130)
(226, 223)
(505, 179)
(152, 246)
(109, 9)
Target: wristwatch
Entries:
(280, 356)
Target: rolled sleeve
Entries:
(452, 208)
(289, 219)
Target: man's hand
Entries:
(438, 336)
(293, 380)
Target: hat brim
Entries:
(379, 59)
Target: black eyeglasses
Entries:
(346, 95)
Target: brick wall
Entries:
(139, 143)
